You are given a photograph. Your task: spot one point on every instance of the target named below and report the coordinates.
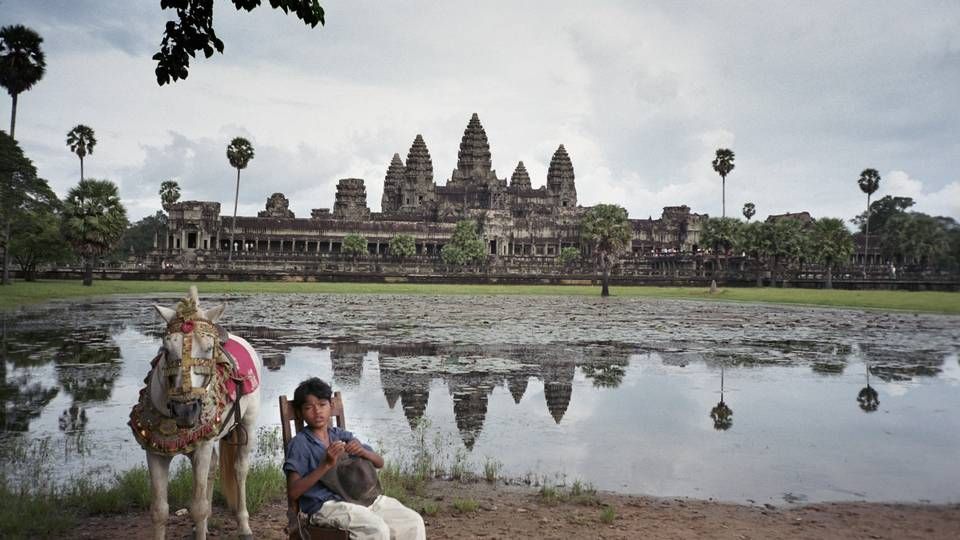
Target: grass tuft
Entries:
(465, 506)
(608, 514)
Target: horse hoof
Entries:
(246, 537)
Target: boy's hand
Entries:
(354, 448)
(333, 452)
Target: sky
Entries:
(641, 94)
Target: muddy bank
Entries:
(521, 512)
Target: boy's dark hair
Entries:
(313, 386)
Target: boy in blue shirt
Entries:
(315, 451)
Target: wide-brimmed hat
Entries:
(355, 479)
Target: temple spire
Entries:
(520, 178)
(474, 152)
(560, 179)
(391, 185)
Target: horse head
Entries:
(191, 349)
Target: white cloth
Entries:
(385, 519)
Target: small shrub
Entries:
(491, 469)
(608, 514)
(458, 470)
(430, 508)
(465, 506)
(550, 495)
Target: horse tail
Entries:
(228, 472)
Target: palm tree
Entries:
(606, 228)
(869, 183)
(833, 244)
(169, 193)
(239, 153)
(81, 141)
(94, 219)
(723, 164)
(749, 210)
(22, 63)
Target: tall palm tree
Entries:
(81, 141)
(869, 183)
(749, 210)
(94, 219)
(723, 164)
(169, 193)
(22, 63)
(239, 153)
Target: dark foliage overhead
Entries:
(194, 31)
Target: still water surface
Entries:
(622, 393)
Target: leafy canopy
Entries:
(723, 162)
(36, 239)
(722, 233)
(94, 219)
(20, 188)
(22, 62)
(569, 255)
(138, 239)
(239, 153)
(881, 210)
(915, 236)
(194, 31)
(81, 140)
(354, 244)
(169, 192)
(403, 245)
(869, 181)
(606, 228)
(749, 210)
(465, 245)
(830, 241)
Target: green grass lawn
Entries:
(22, 293)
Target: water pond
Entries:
(738, 402)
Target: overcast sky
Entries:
(641, 94)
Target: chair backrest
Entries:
(291, 423)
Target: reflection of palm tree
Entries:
(868, 398)
(605, 376)
(722, 414)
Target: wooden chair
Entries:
(290, 418)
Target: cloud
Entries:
(640, 96)
(941, 202)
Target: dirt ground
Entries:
(520, 512)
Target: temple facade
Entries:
(516, 219)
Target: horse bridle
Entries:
(192, 329)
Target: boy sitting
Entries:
(312, 467)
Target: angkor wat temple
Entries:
(519, 223)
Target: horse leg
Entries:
(159, 467)
(200, 505)
(242, 465)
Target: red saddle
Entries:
(246, 371)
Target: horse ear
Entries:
(167, 314)
(213, 314)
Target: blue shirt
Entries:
(304, 454)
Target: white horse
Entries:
(187, 407)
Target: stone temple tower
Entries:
(560, 179)
(390, 202)
(418, 186)
(473, 159)
(520, 178)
